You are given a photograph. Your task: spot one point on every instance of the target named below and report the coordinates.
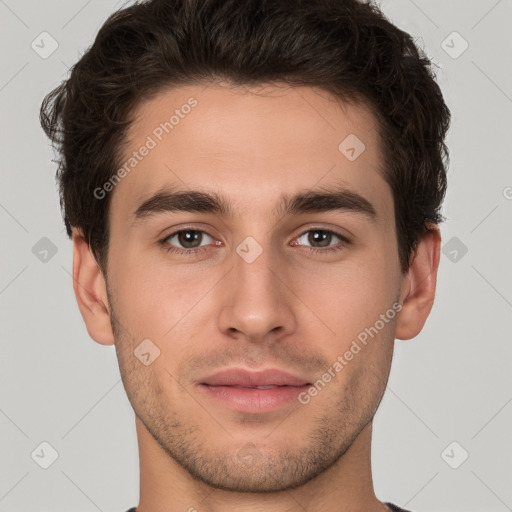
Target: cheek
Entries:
(349, 298)
(163, 302)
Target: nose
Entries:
(256, 302)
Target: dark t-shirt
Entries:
(394, 508)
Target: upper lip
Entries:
(246, 378)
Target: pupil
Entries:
(320, 237)
(187, 237)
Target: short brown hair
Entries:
(346, 47)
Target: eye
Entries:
(186, 240)
(320, 240)
(193, 241)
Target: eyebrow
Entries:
(312, 201)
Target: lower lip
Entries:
(255, 400)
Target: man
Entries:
(253, 191)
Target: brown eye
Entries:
(187, 238)
(322, 241)
(320, 238)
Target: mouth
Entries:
(243, 378)
(253, 392)
(250, 387)
(254, 400)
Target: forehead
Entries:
(253, 144)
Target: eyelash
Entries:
(193, 252)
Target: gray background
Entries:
(451, 383)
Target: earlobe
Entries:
(419, 286)
(90, 292)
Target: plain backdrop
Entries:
(442, 433)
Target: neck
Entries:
(167, 487)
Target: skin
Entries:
(291, 308)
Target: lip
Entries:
(236, 389)
(245, 378)
(253, 400)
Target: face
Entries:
(255, 278)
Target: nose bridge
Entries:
(254, 266)
(257, 301)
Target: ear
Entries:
(419, 285)
(91, 292)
